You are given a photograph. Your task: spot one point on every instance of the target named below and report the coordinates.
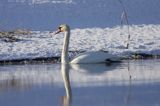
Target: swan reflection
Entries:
(95, 68)
(89, 68)
(66, 100)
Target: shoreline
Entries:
(43, 60)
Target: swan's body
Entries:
(88, 57)
(94, 57)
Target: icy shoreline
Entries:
(145, 39)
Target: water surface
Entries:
(129, 83)
(79, 14)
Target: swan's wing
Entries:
(93, 57)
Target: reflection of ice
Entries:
(41, 1)
(93, 75)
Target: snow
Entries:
(144, 39)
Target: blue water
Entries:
(80, 14)
(140, 95)
(127, 92)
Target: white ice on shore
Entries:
(144, 39)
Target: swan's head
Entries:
(62, 28)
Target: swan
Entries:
(87, 57)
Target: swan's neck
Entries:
(64, 56)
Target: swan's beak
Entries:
(58, 31)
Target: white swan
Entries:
(88, 57)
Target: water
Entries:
(30, 14)
(129, 83)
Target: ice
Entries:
(144, 39)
